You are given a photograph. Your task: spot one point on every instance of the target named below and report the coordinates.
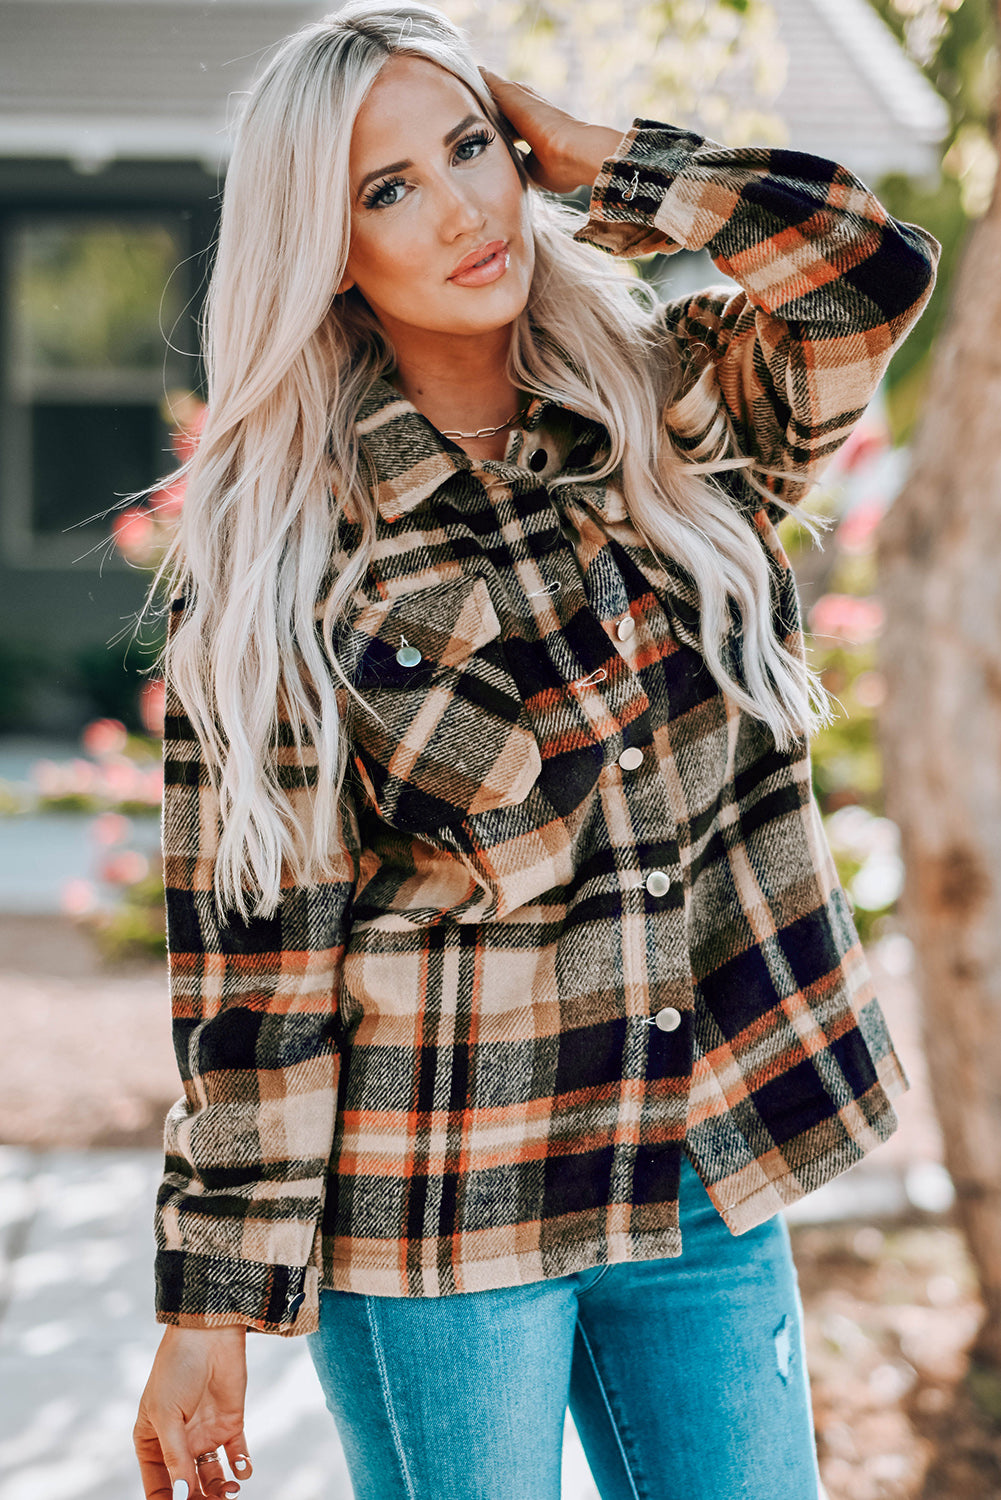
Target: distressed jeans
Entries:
(686, 1377)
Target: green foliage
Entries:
(845, 757)
(668, 59)
(955, 44)
(136, 927)
(984, 1384)
(110, 681)
(86, 293)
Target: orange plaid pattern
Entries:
(587, 917)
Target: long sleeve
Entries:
(829, 284)
(255, 1025)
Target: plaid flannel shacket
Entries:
(587, 917)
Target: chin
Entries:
(499, 311)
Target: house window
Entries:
(96, 302)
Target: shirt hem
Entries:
(380, 1278)
(771, 1194)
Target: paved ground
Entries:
(77, 1339)
(85, 1066)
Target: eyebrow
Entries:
(402, 166)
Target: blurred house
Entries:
(112, 153)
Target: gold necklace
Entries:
(483, 431)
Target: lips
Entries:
(485, 252)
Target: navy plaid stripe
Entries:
(476, 1057)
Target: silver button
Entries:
(631, 759)
(625, 627)
(658, 883)
(667, 1019)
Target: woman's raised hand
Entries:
(193, 1404)
(565, 153)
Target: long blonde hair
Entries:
(279, 459)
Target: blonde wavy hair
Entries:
(288, 363)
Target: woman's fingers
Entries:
(562, 147)
(532, 118)
(239, 1458)
(212, 1476)
(165, 1466)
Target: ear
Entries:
(345, 286)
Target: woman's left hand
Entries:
(565, 153)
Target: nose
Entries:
(460, 210)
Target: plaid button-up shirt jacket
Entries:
(587, 916)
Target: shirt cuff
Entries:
(201, 1291)
(631, 186)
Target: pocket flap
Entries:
(445, 623)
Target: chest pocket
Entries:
(448, 735)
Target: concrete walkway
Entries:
(85, 1057)
(77, 1339)
(77, 1335)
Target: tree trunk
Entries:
(940, 728)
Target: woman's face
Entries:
(432, 183)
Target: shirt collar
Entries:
(410, 457)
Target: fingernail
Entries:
(180, 1490)
(230, 1490)
(241, 1462)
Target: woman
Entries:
(514, 991)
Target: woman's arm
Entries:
(829, 282)
(255, 1033)
(255, 1019)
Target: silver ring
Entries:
(212, 1457)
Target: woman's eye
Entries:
(481, 140)
(387, 194)
(377, 198)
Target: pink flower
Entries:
(111, 828)
(151, 705)
(867, 439)
(120, 779)
(78, 897)
(848, 619)
(134, 534)
(152, 786)
(858, 528)
(166, 503)
(124, 868)
(103, 737)
(184, 439)
(80, 777)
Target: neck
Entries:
(459, 382)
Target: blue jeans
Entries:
(685, 1376)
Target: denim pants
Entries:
(685, 1376)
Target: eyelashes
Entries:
(374, 197)
(374, 194)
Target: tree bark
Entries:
(939, 557)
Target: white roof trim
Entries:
(92, 143)
(898, 80)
